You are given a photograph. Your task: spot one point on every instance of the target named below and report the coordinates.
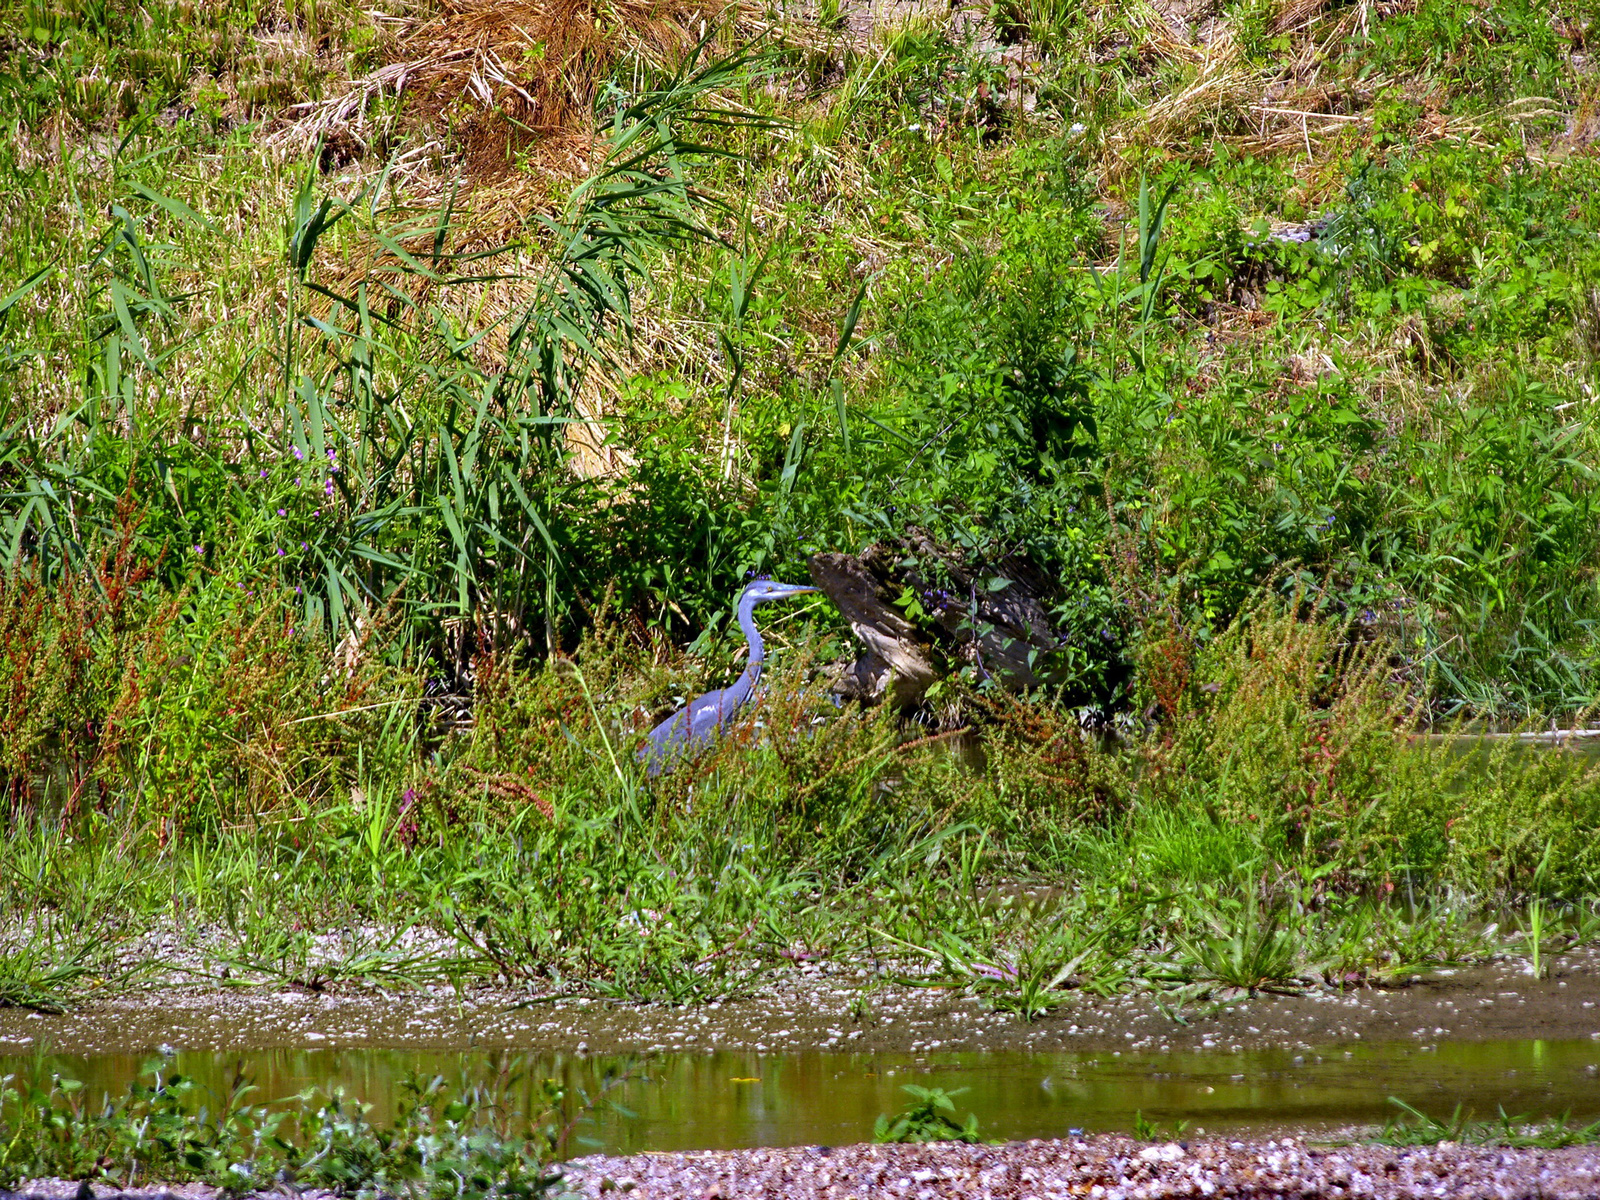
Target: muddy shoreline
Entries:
(825, 1007)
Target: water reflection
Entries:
(725, 1100)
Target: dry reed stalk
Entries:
(591, 451)
(1295, 14)
(1286, 118)
(1476, 130)
(1313, 53)
(1218, 97)
(1169, 38)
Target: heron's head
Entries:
(771, 589)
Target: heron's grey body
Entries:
(697, 722)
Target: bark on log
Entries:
(896, 662)
(992, 618)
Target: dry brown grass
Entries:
(1304, 110)
(509, 85)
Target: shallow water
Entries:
(728, 1100)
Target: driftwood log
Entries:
(992, 618)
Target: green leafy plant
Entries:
(444, 1140)
(1146, 1130)
(930, 1117)
(50, 973)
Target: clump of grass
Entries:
(125, 694)
(50, 973)
(1525, 822)
(1043, 766)
(1411, 1127)
(1245, 949)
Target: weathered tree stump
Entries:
(992, 618)
(896, 661)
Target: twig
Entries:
(344, 712)
(933, 737)
(1303, 113)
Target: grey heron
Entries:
(697, 722)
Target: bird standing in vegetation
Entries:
(697, 722)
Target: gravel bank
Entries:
(1101, 1168)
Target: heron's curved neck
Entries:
(747, 622)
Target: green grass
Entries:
(1404, 421)
(530, 852)
(1414, 1128)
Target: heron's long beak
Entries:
(798, 589)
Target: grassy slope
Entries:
(1391, 417)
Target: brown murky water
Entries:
(738, 1099)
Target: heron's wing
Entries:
(711, 712)
(695, 723)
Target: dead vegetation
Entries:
(500, 90)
